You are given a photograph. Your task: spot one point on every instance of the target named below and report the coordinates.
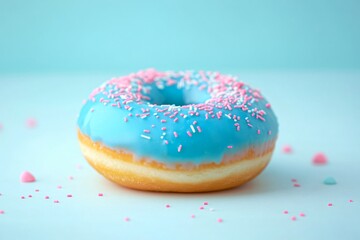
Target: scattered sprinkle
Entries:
(285, 212)
(293, 218)
(69, 196)
(167, 205)
(192, 216)
(206, 203)
(27, 177)
(127, 219)
(302, 214)
(59, 187)
(56, 201)
(329, 181)
(220, 220)
(31, 123)
(319, 159)
(180, 148)
(229, 146)
(47, 197)
(2, 211)
(100, 195)
(268, 105)
(287, 149)
(296, 185)
(201, 207)
(330, 204)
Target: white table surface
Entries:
(317, 111)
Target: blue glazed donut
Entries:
(177, 131)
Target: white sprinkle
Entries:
(192, 128)
(228, 116)
(144, 136)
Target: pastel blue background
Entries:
(110, 36)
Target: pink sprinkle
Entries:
(127, 219)
(201, 208)
(189, 133)
(27, 177)
(268, 105)
(293, 180)
(302, 214)
(194, 122)
(220, 220)
(293, 218)
(175, 134)
(56, 201)
(287, 149)
(193, 216)
(31, 123)
(269, 132)
(167, 205)
(330, 204)
(146, 131)
(92, 110)
(166, 142)
(59, 187)
(125, 119)
(179, 148)
(286, 212)
(37, 190)
(71, 178)
(319, 159)
(176, 119)
(2, 211)
(100, 194)
(163, 128)
(22, 197)
(206, 203)
(258, 131)
(47, 197)
(30, 196)
(163, 121)
(1, 127)
(230, 147)
(296, 185)
(69, 195)
(199, 129)
(351, 200)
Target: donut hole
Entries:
(174, 96)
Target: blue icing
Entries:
(103, 121)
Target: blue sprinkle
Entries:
(329, 181)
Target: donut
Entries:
(184, 131)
